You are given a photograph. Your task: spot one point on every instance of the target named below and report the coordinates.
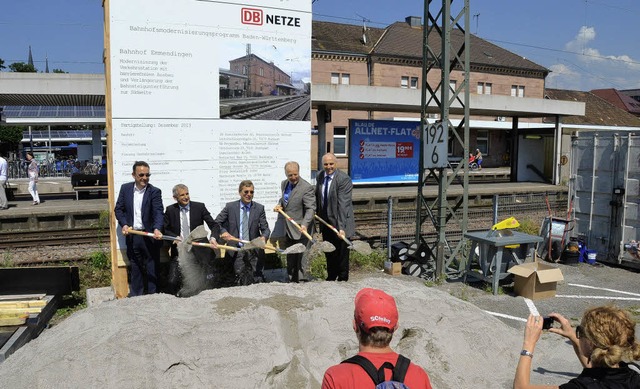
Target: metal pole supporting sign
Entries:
(436, 141)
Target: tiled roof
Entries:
(403, 41)
(597, 111)
(342, 38)
(619, 100)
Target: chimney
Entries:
(414, 21)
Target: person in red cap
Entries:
(375, 320)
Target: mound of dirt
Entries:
(273, 336)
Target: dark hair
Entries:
(139, 163)
(378, 337)
(30, 153)
(244, 184)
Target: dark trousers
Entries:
(296, 263)
(338, 260)
(247, 267)
(142, 269)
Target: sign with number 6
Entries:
(436, 141)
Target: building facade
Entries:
(392, 57)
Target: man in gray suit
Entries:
(245, 220)
(333, 194)
(299, 202)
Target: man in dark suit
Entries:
(299, 202)
(244, 220)
(139, 207)
(179, 220)
(333, 194)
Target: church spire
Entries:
(30, 62)
(46, 61)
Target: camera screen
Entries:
(547, 323)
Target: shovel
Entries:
(259, 243)
(150, 235)
(325, 247)
(358, 245)
(199, 233)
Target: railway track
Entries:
(60, 237)
(295, 109)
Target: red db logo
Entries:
(252, 16)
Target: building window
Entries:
(340, 140)
(340, 78)
(414, 82)
(261, 72)
(404, 82)
(452, 85)
(482, 141)
(335, 78)
(345, 78)
(517, 90)
(244, 69)
(484, 88)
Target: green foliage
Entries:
(437, 282)
(462, 293)
(58, 71)
(357, 261)
(11, 134)
(529, 226)
(99, 260)
(7, 259)
(21, 67)
(2, 64)
(103, 219)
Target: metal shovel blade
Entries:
(361, 247)
(297, 248)
(326, 247)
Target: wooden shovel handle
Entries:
(334, 230)
(220, 246)
(298, 226)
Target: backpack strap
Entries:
(367, 366)
(377, 376)
(402, 366)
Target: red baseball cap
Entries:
(375, 308)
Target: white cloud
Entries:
(590, 69)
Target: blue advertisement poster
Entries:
(383, 151)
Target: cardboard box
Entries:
(393, 268)
(535, 280)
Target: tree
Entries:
(58, 71)
(2, 64)
(10, 138)
(21, 67)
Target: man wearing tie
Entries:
(179, 220)
(244, 220)
(299, 202)
(139, 207)
(333, 194)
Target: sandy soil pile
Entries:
(272, 336)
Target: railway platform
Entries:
(60, 209)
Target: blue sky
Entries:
(587, 44)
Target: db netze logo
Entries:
(252, 16)
(255, 16)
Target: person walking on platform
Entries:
(33, 170)
(3, 184)
(139, 207)
(478, 158)
(179, 220)
(299, 202)
(333, 193)
(244, 219)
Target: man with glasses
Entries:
(139, 207)
(246, 220)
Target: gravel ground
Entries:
(43, 254)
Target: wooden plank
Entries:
(22, 304)
(21, 310)
(13, 321)
(17, 297)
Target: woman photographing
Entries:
(604, 339)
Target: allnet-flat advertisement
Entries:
(383, 151)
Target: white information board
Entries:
(436, 141)
(167, 58)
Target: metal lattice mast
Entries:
(454, 54)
